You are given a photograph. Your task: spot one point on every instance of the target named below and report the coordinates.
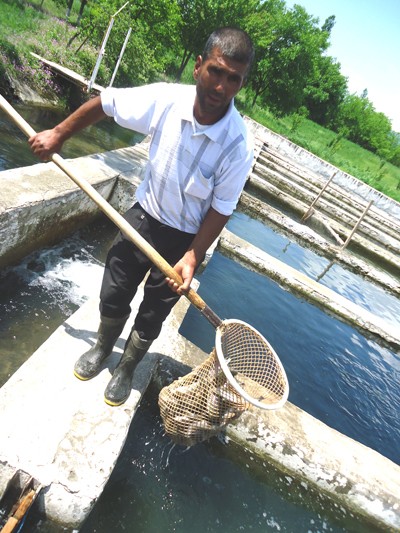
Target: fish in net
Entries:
(199, 405)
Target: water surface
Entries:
(352, 286)
(15, 151)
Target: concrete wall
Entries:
(75, 439)
(40, 205)
(356, 477)
(348, 182)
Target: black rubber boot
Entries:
(119, 388)
(89, 364)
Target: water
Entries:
(46, 288)
(213, 486)
(352, 286)
(15, 151)
(331, 367)
(335, 374)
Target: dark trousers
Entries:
(126, 266)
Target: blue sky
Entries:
(366, 42)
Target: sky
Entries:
(366, 42)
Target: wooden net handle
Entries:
(112, 214)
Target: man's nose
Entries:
(221, 84)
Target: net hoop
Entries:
(278, 403)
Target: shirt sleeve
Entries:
(232, 177)
(133, 108)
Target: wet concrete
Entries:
(58, 428)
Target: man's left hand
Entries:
(185, 267)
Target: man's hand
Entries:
(48, 142)
(185, 267)
(210, 228)
(45, 144)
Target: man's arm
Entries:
(209, 230)
(48, 142)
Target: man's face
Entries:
(218, 79)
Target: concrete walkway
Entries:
(59, 429)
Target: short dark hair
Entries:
(234, 43)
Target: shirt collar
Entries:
(214, 130)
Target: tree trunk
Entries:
(185, 60)
(69, 7)
(83, 4)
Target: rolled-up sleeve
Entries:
(232, 177)
(134, 107)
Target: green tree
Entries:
(289, 45)
(365, 126)
(325, 92)
(199, 18)
(262, 25)
(394, 155)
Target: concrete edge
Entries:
(74, 445)
(59, 429)
(299, 284)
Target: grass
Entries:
(327, 145)
(26, 28)
(39, 26)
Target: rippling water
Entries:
(352, 286)
(44, 289)
(213, 487)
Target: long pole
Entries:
(118, 219)
(103, 48)
(100, 56)
(311, 208)
(344, 245)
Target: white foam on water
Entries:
(65, 274)
(73, 280)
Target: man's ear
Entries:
(197, 65)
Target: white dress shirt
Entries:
(189, 168)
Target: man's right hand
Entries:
(45, 144)
(48, 142)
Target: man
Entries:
(199, 157)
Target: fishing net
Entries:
(251, 364)
(199, 405)
(242, 369)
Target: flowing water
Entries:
(347, 381)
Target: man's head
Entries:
(233, 43)
(221, 72)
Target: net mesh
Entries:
(252, 362)
(242, 369)
(199, 405)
